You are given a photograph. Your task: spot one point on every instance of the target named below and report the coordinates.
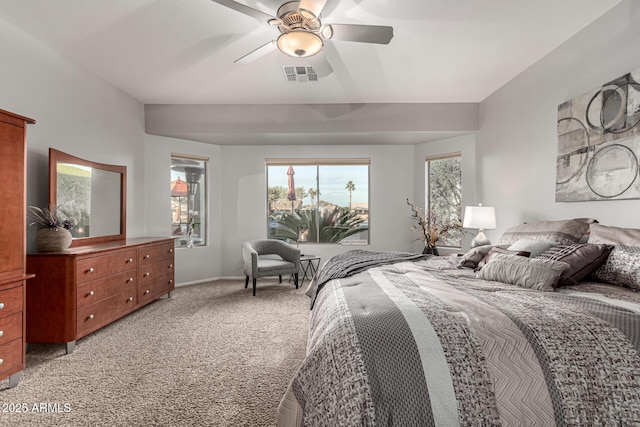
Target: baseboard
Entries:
(211, 279)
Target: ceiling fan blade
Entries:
(239, 7)
(358, 33)
(313, 6)
(257, 53)
(320, 64)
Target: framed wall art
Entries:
(599, 143)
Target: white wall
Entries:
(517, 142)
(200, 262)
(244, 196)
(75, 112)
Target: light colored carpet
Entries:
(212, 355)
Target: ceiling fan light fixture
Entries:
(299, 43)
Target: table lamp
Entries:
(480, 217)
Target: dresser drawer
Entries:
(152, 289)
(152, 272)
(10, 356)
(105, 265)
(154, 253)
(10, 328)
(96, 315)
(10, 301)
(97, 290)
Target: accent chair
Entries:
(256, 265)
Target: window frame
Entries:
(203, 203)
(428, 195)
(318, 163)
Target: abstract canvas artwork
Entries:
(599, 143)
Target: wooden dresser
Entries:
(12, 245)
(84, 288)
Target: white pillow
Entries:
(536, 247)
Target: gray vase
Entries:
(432, 251)
(53, 240)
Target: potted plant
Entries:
(55, 235)
(429, 229)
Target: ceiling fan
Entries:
(302, 34)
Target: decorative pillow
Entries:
(533, 246)
(614, 235)
(583, 259)
(474, 255)
(565, 232)
(622, 267)
(533, 273)
(497, 250)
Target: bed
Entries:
(410, 340)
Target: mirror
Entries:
(93, 194)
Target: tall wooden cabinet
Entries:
(12, 245)
(84, 288)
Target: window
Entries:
(318, 201)
(443, 186)
(188, 201)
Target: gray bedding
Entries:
(426, 344)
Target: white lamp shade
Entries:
(480, 217)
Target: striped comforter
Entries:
(424, 343)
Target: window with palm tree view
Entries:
(318, 202)
(444, 196)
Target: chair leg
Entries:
(295, 279)
(280, 278)
(246, 282)
(254, 286)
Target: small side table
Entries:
(309, 269)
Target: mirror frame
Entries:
(56, 156)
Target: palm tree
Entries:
(350, 188)
(331, 225)
(273, 195)
(312, 194)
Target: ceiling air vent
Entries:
(299, 74)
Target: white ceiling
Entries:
(182, 51)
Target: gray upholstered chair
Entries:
(256, 266)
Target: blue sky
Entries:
(333, 180)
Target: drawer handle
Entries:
(171, 250)
(1, 361)
(91, 293)
(1, 333)
(146, 292)
(147, 274)
(90, 270)
(89, 317)
(170, 281)
(130, 260)
(147, 256)
(130, 279)
(1, 305)
(130, 299)
(170, 265)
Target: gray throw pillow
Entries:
(563, 232)
(622, 266)
(495, 251)
(533, 273)
(583, 259)
(474, 255)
